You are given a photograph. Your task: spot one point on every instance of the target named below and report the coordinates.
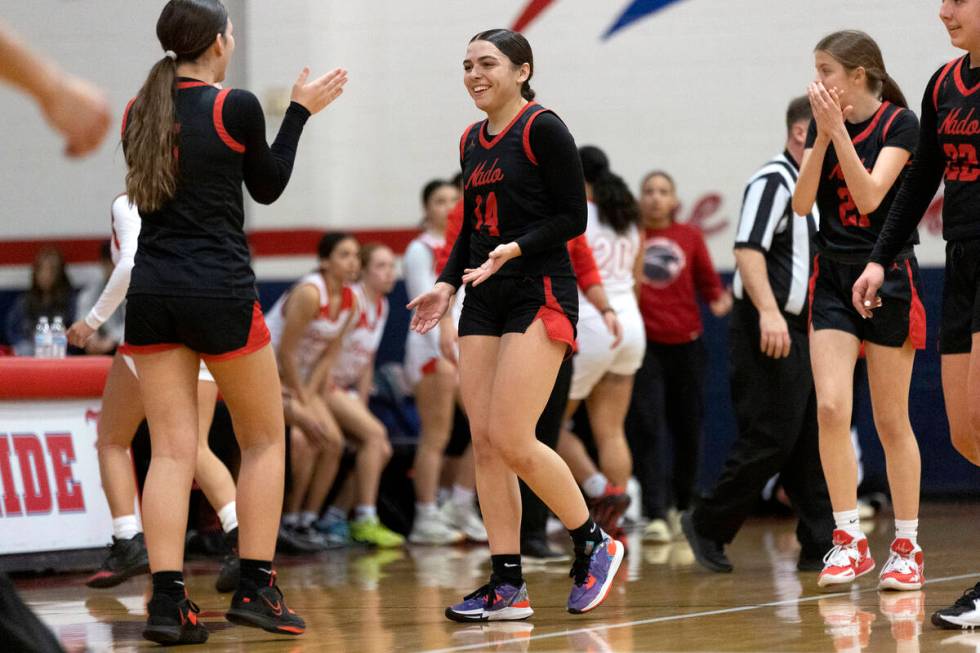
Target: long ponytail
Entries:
(186, 30)
(856, 49)
(616, 204)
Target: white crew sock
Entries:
(125, 527)
(849, 522)
(306, 518)
(335, 515)
(463, 496)
(427, 509)
(907, 528)
(228, 517)
(595, 485)
(365, 512)
(290, 519)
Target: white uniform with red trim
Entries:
(125, 235)
(320, 331)
(361, 342)
(419, 270)
(615, 255)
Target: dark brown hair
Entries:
(855, 49)
(368, 250)
(58, 295)
(516, 48)
(616, 204)
(799, 109)
(187, 28)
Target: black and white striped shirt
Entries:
(768, 224)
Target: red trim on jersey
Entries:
(258, 337)
(143, 350)
(813, 284)
(958, 78)
(939, 82)
(462, 139)
(526, 138)
(583, 263)
(496, 139)
(874, 123)
(917, 313)
(182, 85)
(884, 132)
(429, 367)
(219, 123)
(556, 323)
(347, 298)
(125, 117)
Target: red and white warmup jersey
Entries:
(321, 331)
(419, 270)
(361, 342)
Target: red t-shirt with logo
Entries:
(676, 270)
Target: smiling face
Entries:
(962, 20)
(492, 80)
(850, 84)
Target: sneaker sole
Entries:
(687, 528)
(252, 620)
(172, 635)
(953, 623)
(892, 584)
(105, 582)
(463, 617)
(607, 584)
(832, 581)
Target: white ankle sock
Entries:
(463, 496)
(306, 518)
(334, 515)
(228, 517)
(125, 527)
(290, 519)
(907, 528)
(426, 509)
(849, 522)
(595, 485)
(365, 512)
(443, 495)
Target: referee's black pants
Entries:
(776, 413)
(534, 516)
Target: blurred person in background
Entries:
(51, 295)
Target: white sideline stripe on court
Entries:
(692, 615)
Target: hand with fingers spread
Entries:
(430, 307)
(864, 294)
(774, 338)
(496, 259)
(827, 110)
(316, 95)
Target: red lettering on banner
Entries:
(69, 491)
(37, 490)
(11, 502)
(481, 176)
(704, 213)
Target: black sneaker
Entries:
(227, 579)
(265, 608)
(173, 622)
(709, 553)
(965, 613)
(299, 541)
(126, 558)
(537, 549)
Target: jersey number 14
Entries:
(486, 213)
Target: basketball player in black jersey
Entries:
(192, 295)
(524, 198)
(949, 139)
(860, 141)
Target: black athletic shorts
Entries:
(218, 329)
(502, 305)
(961, 297)
(900, 317)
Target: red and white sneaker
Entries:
(847, 561)
(904, 569)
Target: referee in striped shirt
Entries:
(772, 385)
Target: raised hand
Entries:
(316, 95)
(827, 112)
(496, 259)
(430, 307)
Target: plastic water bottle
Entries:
(59, 338)
(42, 338)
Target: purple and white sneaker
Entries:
(493, 602)
(593, 576)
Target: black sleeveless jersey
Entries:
(949, 142)
(844, 230)
(195, 244)
(523, 185)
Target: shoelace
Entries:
(841, 555)
(900, 563)
(191, 606)
(969, 596)
(488, 592)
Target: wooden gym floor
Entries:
(373, 601)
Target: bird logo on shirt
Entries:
(663, 262)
